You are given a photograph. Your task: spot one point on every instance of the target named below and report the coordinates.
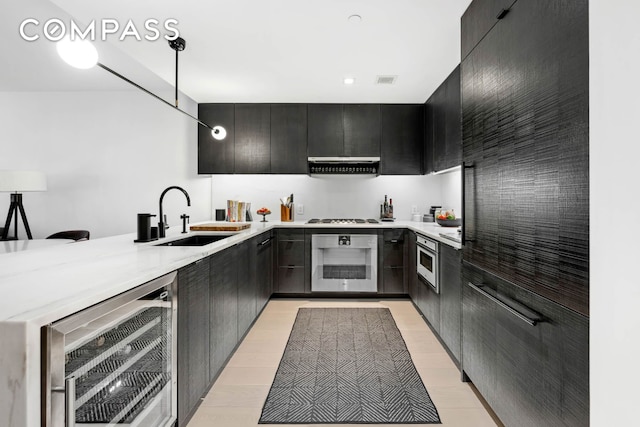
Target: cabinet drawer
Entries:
(290, 234)
(290, 253)
(290, 280)
(394, 280)
(393, 255)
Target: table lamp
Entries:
(17, 182)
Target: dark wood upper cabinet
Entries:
(446, 123)
(326, 130)
(427, 162)
(216, 156)
(478, 19)
(402, 139)
(252, 138)
(361, 130)
(288, 138)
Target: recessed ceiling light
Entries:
(349, 80)
(355, 19)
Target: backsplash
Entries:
(331, 196)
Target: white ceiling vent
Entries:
(386, 80)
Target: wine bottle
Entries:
(390, 208)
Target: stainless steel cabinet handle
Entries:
(70, 402)
(264, 242)
(69, 391)
(529, 320)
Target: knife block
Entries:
(286, 214)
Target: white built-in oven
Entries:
(344, 263)
(427, 261)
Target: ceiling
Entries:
(259, 51)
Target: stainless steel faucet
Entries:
(161, 224)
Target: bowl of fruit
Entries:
(448, 219)
(264, 212)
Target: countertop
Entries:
(41, 283)
(47, 283)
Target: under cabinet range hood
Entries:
(344, 165)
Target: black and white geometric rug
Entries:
(347, 365)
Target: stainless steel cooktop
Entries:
(343, 221)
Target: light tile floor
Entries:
(236, 399)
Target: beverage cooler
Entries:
(114, 363)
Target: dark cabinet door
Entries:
(263, 261)
(511, 359)
(427, 160)
(429, 304)
(224, 308)
(193, 337)
(478, 19)
(252, 138)
(246, 284)
(216, 157)
(289, 138)
(450, 298)
(402, 139)
(452, 122)
(394, 256)
(525, 133)
(361, 130)
(326, 130)
(447, 123)
(412, 272)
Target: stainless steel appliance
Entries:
(114, 363)
(427, 261)
(344, 165)
(344, 263)
(343, 221)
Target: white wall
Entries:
(107, 156)
(330, 196)
(451, 184)
(615, 199)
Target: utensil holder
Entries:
(286, 214)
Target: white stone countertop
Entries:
(44, 281)
(47, 283)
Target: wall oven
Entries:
(344, 263)
(427, 261)
(114, 363)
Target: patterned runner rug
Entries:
(347, 365)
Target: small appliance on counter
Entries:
(144, 228)
(431, 216)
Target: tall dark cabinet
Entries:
(525, 105)
(526, 144)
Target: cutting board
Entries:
(216, 226)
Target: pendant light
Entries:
(83, 55)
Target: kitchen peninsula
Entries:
(45, 285)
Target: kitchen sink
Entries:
(198, 240)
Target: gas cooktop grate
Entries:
(342, 221)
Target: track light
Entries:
(83, 55)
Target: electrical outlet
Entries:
(299, 209)
(414, 209)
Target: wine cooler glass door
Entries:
(114, 363)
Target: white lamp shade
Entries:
(77, 53)
(19, 181)
(219, 133)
